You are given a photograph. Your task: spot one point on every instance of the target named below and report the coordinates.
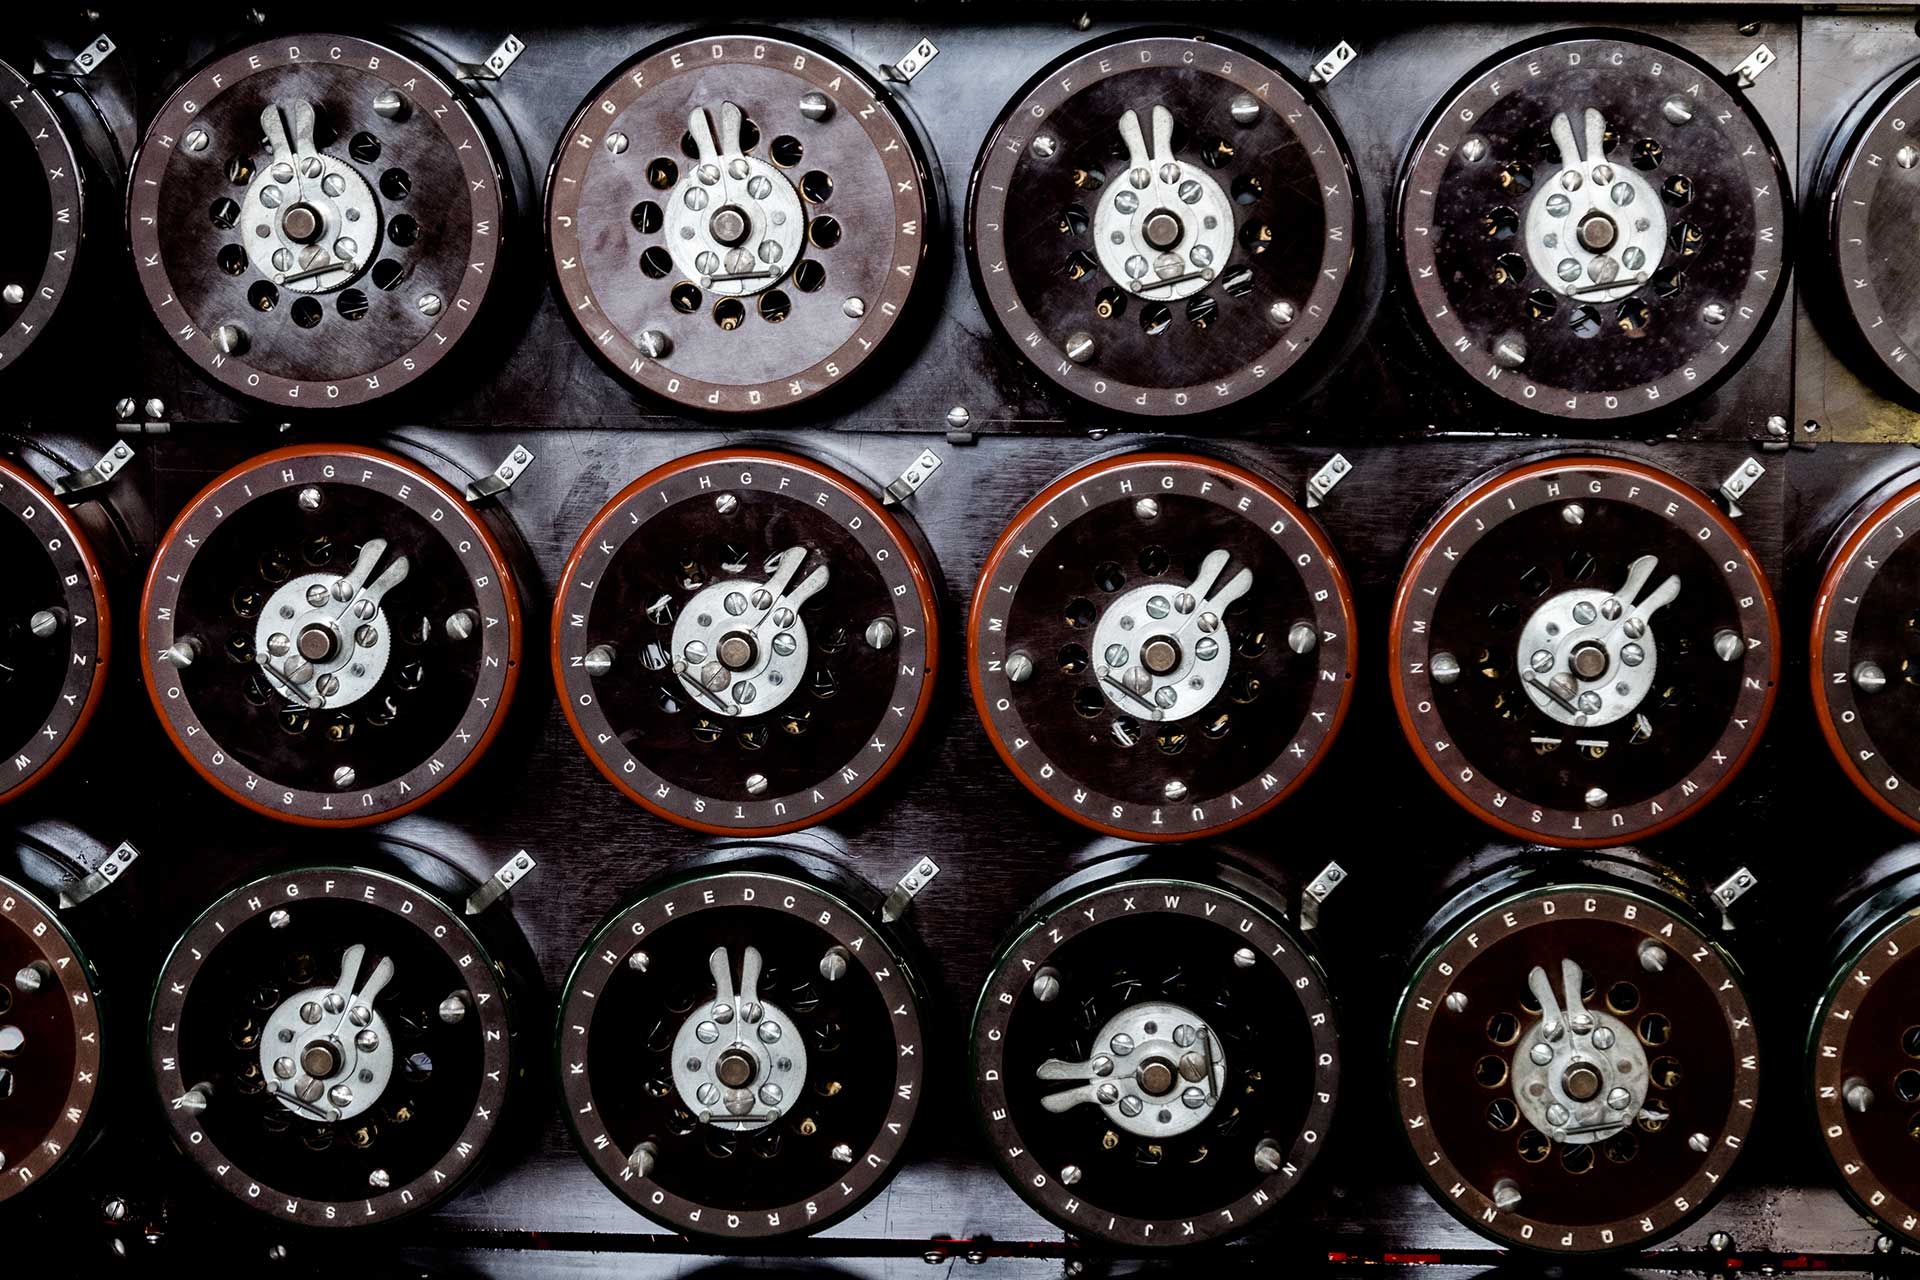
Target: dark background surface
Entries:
(1414, 429)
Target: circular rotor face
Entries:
(1595, 227)
(331, 1046)
(40, 228)
(50, 1050)
(1876, 193)
(741, 1055)
(1866, 660)
(746, 641)
(54, 636)
(1864, 1068)
(330, 635)
(736, 222)
(1583, 651)
(1156, 1062)
(1162, 224)
(1575, 1069)
(1161, 646)
(316, 219)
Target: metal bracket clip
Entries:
(100, 877)
(1738, 481)
(909, 481)
(510, 469)
(1752, 65)
(497, 62)
(907, 890)
(110, 464)
(903, 71)
(1331, 877)
(97, 51)
(1733, 888)
(1336, 61)
(511, 872)
(1330, 474)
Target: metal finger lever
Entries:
(1237, 586)
(702, 130)
(1137, 155)
(1068, 1099)
(750, 978)
(722, 970)
(730, 121)
(1551, 1020)
(810, 586)
(1061, 1069)
(782, 570)
(1638, 574)
(349, 586)
(1664, 594)
(1570, 984)
(1563, 139)
(1212, 565)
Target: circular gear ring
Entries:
(1874, 191)
(1863, 1071)
(745, 641)
(1584, 651)
(1575, 1068)
(332, 1047)
(50, 1041)
(330, 635)
(741, 1054)
(56, 641)
(1594, 226)
(1162, 223)
(39, 243)
(1863, 662)
(753, 252)
(1155, 1060)
(1139, 624)
(341, 258)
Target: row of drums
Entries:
(1591, 225)
(1584, 650)
(742, 1052)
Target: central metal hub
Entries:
(1156, 1071)
(1581, 1082)
(1160, 655)
(317, 642)
(1162, 229)
(1598, 232)
(326, 1054)
(739, 646)
(319, 1060)
(736, 651)
(1589, 661)
(735, 224)
(1595, 231)
(729, 225)
(300, 224)
(310, 222)
(1579, 1075)
(1161, 649)
(322, 640)
(739, 1062)
(1586, 657)
(735, 1069)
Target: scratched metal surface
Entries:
(536, 1210)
